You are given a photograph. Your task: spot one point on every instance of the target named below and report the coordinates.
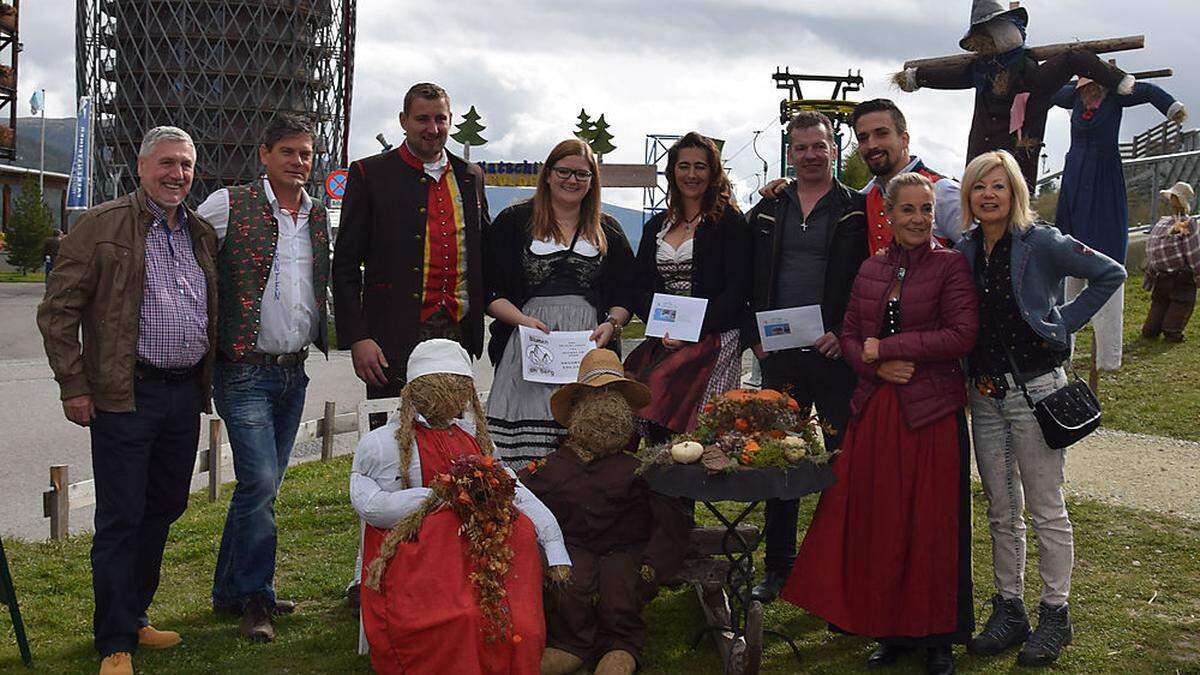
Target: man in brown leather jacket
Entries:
(138, 275)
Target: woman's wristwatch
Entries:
(615, 324)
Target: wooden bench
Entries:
(705, 569)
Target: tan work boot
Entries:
(616, 662)
(151, 638)
(120, 663)
(558, 662)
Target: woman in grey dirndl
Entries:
(553, 263)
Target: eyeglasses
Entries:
(583, 175)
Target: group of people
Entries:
(935, 297)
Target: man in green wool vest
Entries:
(272, 273)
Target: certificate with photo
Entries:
(553, 358)
(790, 328)
(676, 316)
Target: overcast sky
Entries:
(667, 67)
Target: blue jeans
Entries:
(1020, 472)
(261, 407)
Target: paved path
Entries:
(34, 434)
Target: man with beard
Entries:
(808, 244)
(882, 134)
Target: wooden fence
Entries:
(64, 495)
(1160, 139)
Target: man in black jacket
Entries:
(808, 244)
(407, 265)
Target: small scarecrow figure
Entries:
(1172, 267)
(623, 538)
(452, 574)
(1013, 90)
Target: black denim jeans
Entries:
(142, 462)
(811, 379)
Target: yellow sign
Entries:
(511, 174)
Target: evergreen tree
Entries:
(585, 129)
(468, 132)
(27, 228)
(601, 140)
(854, 170)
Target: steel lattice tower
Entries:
(219, 69)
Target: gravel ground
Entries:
(1138, 470)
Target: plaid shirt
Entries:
(173, 329)
(1166, 252)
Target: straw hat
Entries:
(599, 368)
(1181, 191)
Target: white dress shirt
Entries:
(289, 316)
(382, 501)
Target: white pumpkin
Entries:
(686, 452)
(794, 448)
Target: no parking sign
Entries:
(335, 183)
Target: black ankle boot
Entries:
(1007, 627)
(939, 661)
(886, 655)
(1053, 633)
(768, 589)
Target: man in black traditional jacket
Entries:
(407, 265)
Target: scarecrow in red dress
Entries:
(452, 572)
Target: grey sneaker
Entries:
(1007, 627)
(1053, 633)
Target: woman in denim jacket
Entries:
(1024, 336)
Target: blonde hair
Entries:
(1020, 214)
(543, 227)
(911, 179)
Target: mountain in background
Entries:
(60, 135)
(630, 219)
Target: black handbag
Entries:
(1068, 414)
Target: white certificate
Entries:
(553, 358)
(790, 328)
(677, 316)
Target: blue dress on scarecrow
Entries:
(1091, 202)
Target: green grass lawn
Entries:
(1155, 391)
(1124, 558)
(17, 277)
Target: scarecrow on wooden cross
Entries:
(1013, 84)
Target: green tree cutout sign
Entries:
(585, 129)
(468, 132)
(601, 140)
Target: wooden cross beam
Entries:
(1041, 53)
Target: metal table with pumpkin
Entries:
(749, 446)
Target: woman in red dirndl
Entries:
(888, 551)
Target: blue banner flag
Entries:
(36, 102)
(79, 188)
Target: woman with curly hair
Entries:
(699, 247)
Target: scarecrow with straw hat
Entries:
(1012, 89)
(1172, 267)
(623, 538)
(452, 574)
